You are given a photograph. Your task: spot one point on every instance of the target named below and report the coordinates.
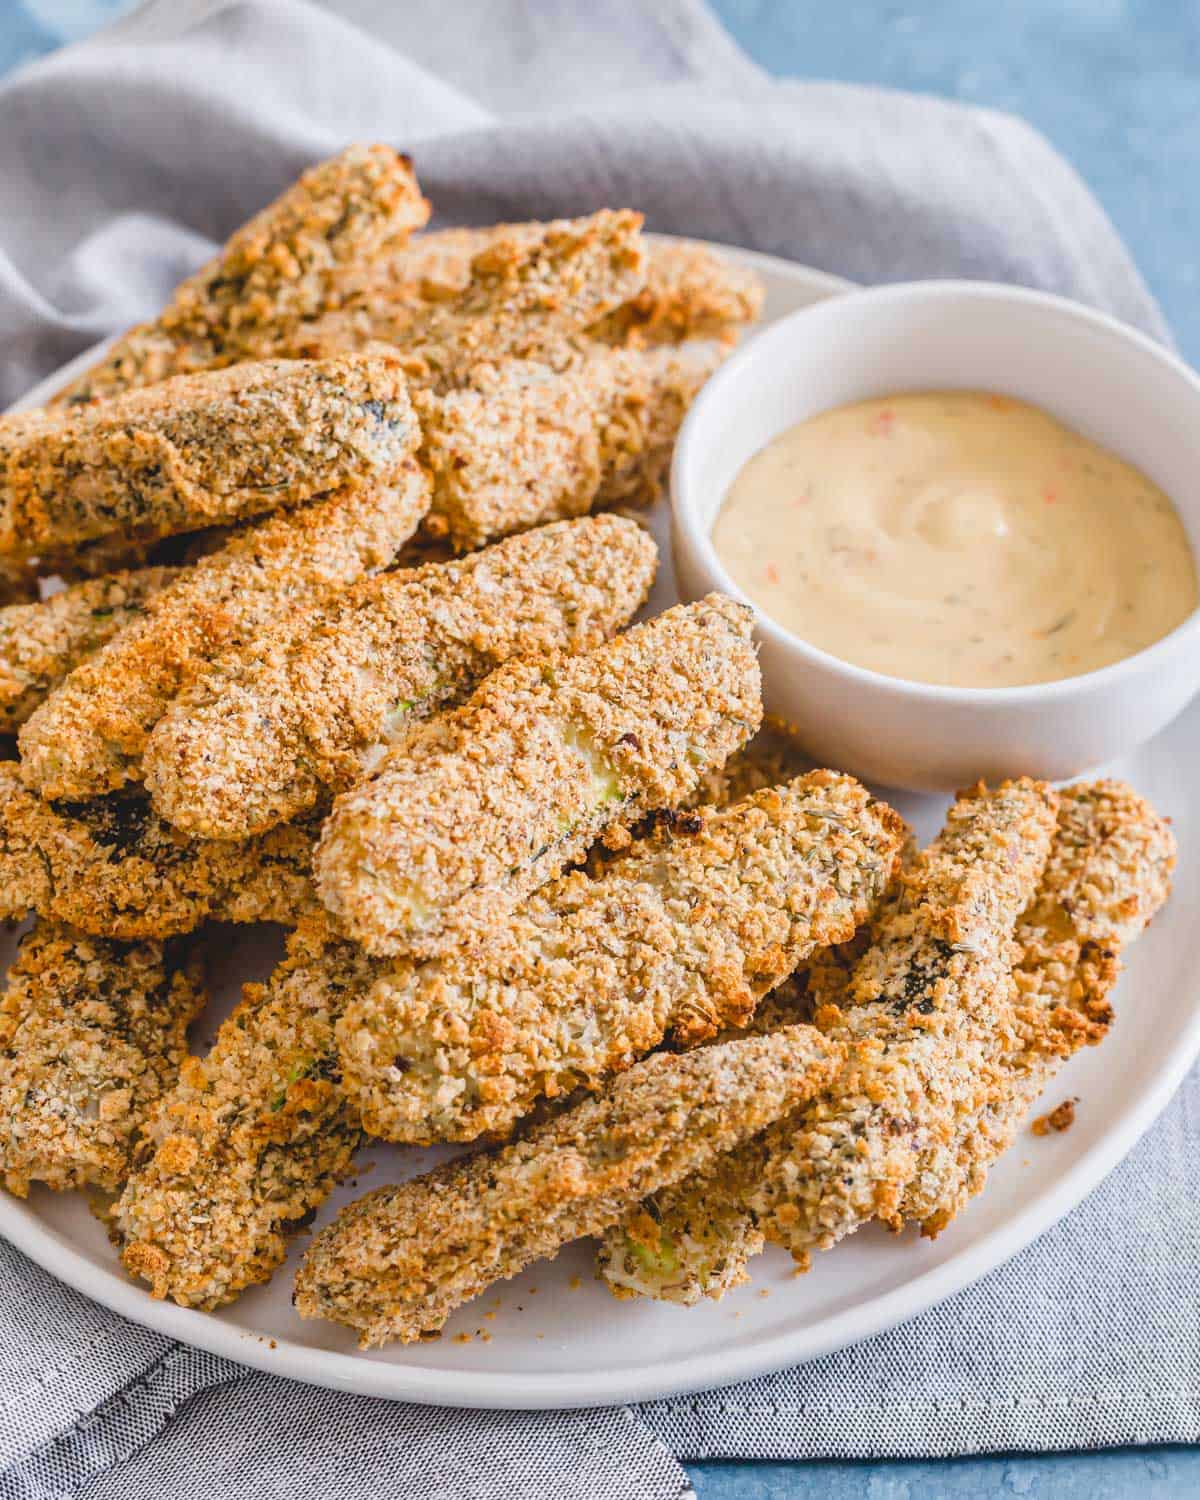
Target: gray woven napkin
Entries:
(120, 161)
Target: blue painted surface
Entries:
(1114, 84)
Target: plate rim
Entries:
(675, 1376)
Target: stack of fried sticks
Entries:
(343, 646)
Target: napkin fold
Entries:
(122, 160)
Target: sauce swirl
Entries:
(956, 537)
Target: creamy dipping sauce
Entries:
(956, 537)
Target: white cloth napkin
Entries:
(121, 160)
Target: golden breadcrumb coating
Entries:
(92, 1034)
(41, 642)
(285, 266)
(680, 937)
(88, 736)
(472, 810)
(529, 295)
(251, 1140)
(312, 704)
(112, 868)
(399, 1261)
(1108, 873)
(516, 443)
(201, 449)
(690, 291)
(938, 963)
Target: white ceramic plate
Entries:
(554, 1337)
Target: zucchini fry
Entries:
(1108, 873)
(88, 736)
(200, 450)
(283, 267)
(689, 292)
(681, 936)
(399, 1261)
(43, 641)
(92, 1034)
(252, 1139)
(936, 974)
(312, 705)
(516, 444)
(111, 868)
(471, 811)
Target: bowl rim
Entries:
(684, 512)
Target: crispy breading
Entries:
(517, 443)
(938, 962)
(202, 449)
(472, 810)
(92, 1034)
(112, 868)
(528, 294)
(251, 1140)
(690, 290)
(286, 265)
(1108, 873)
(312, 704)
(88, 736)
(41, 642)
(399, 1261)
(680, 937)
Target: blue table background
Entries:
(1115, 84)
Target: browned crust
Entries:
(43, 641)
(681, 936)
(396, 1263)
(88, 736)
(92, 1034)
(283, 267)
(314, 703)
(111, 868)
(470, 812)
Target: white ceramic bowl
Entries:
(1110, 383)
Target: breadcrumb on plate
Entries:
(92, 1034)
(396, 1263)
(471, 811)
(88, 736)
(680, 937)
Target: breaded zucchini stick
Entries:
(202, 449)
(1108, 873)
(41, 642)
(285, 266)
(516, 443)
(92, 1034)
(529, 295)
(313, 703)
(88, 736)
(471, 811)
(250, 1141)
(680, 937)
(399, 1261)
(110, 867)
(937, 972)
(689, 292)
